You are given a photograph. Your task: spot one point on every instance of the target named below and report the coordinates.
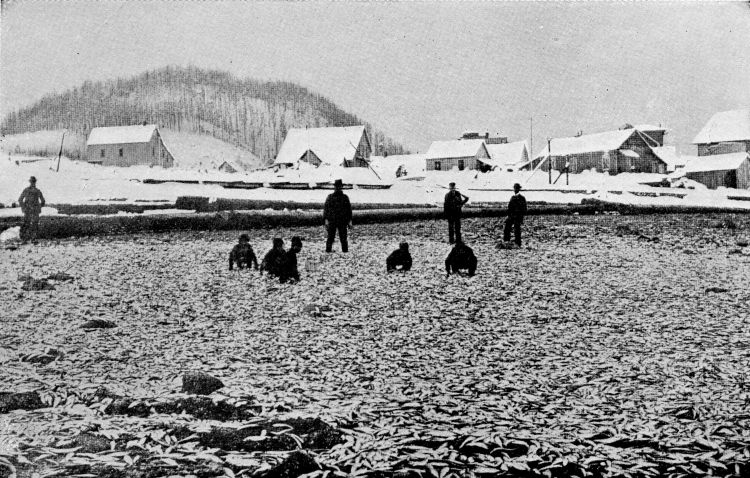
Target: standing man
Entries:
(516, 212)
(337, 214)
(31, 202)
(454, 201)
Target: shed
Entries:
(721, 170)
(458, 153)
(508, 156)
(128, 146)
(620, 151)
(726, 132)
(347, 146)
(229, 166)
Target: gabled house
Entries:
(458, 153)
(508, 156)
(128, 146)
(730, 170)
(726, 132)
(625, 150)
(347, 146)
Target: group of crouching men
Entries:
(337, 214)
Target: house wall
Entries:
(446, 164)
(657, 136)
(152, 153)
(743, 175)
(710, 149)
(715, 179)
(613, 161)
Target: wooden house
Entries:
(459, 154)
(347, 146)
(508, 156)
(730, 170)
(726, 132)
(128, 146)
(625, 150)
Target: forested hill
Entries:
(254, 115)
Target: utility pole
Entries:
(549, 159)
(60, 153)
(531, 136)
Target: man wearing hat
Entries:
(337, 214)
(516, 212)
(454, 201)
(31, 202)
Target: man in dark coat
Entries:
(243, 255)
(452, 205)
(460, 258)
(400, 259)
(337, 214)
(516, 212)
(288, 271)
(271, 262)
(31, 202)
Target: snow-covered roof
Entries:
(507, 154)
(607, 141)
(731, 125)
(121, 134)
(331, 145)
(718, 162)
(456, 148)
(668, 154)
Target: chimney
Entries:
(487, 135)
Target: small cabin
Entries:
(457, 154)
(347, 146)
(721, 170)
(128, 146)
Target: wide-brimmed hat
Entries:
(338, 184)
(452, 185)
(516, 186)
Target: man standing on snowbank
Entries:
(454, 201)
(516, 212)
(337, 214)
(31, 202)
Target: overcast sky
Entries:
(418, 70)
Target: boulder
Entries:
(60, 276)
(296, 464)
(20, 401)
(43, 358)
(199, 383)
(98, 324)
(37, 284)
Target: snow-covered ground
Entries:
(78, 182)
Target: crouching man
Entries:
(400, 259)
(272, 260)
(243, 255)
(461, 258)
(288, 265)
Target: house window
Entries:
(153, 151)
(121, 152)
(437, 165)
(461, 164)
(101, 154)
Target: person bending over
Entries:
(288, 266)
(400, 259)
(272, 260)
(243, 255)
(461, 258)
